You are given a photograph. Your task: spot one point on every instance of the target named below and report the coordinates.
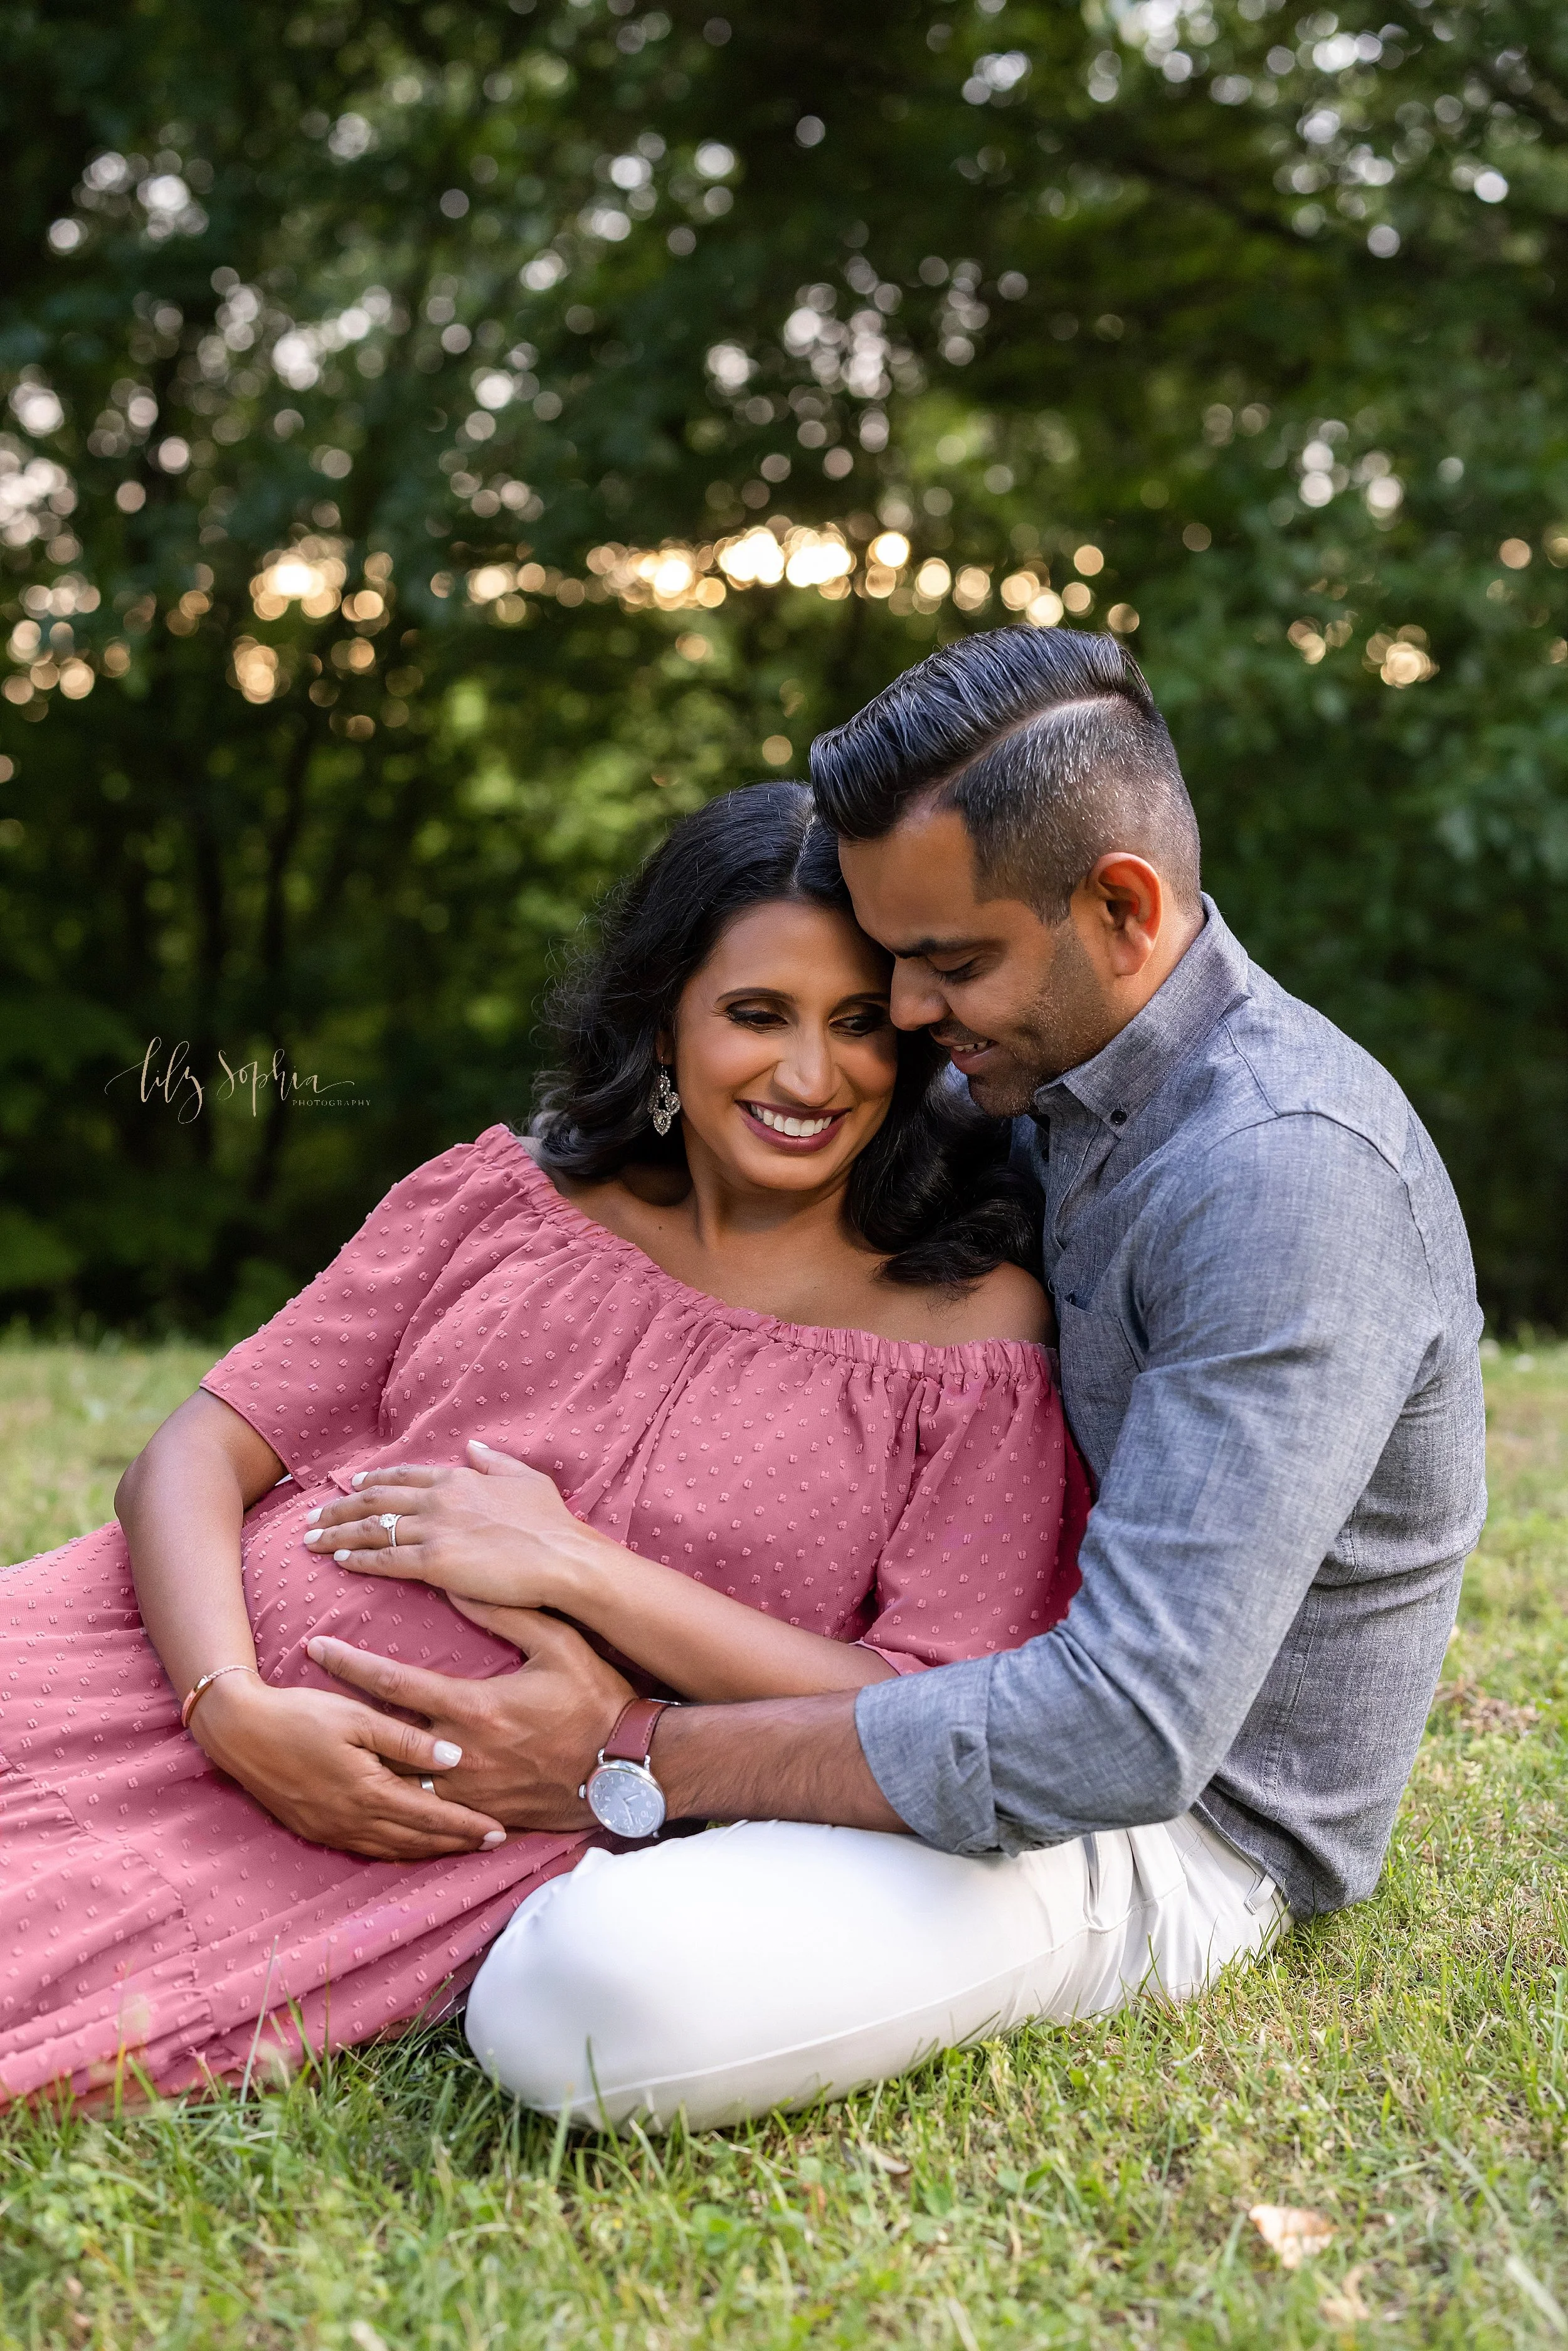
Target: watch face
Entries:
(626, 1799)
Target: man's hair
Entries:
(1049, 744)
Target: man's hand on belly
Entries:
(530, 1738)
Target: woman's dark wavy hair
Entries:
(931, 1188)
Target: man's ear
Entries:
(1129, 906)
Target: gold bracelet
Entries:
(200, 1689)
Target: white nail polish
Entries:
(495, 1836)
(311, 1517)
(358, 1477)
(447, 1754)
(339, 1556)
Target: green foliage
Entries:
(1263, 312)
(1401, 2069)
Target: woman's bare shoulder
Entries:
(1006, 1304)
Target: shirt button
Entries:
(1118, 1118)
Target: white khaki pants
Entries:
(773, 1962)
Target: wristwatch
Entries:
(620, 1789)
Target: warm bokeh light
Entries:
(682, 576)
(1401, 659)
(1399, 656)
(256, 669)
(678, 576)
(674, 578)
(814, 558)
(754, 559)
(311, 574)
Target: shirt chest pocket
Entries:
(1099, 1365)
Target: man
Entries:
(1268, 1333)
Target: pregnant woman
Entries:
(738, 1365)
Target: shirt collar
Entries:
(1211, 976)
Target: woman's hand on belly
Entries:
(333, 1770)
(498, 1533)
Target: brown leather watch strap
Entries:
(633, 1737)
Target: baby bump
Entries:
(292, 1595)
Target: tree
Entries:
(445, 441)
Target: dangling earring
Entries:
(667, 1103)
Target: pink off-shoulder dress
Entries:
(924, 1499)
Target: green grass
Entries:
(1403, 2069)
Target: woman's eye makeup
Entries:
(863, 1021)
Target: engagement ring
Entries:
(429, 1787)
(389, 1519)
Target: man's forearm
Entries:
(794, 1758)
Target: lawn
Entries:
(1402, 2070)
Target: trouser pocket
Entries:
(1128, 1872)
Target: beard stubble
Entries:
(1063, 1027)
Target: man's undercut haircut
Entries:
(1049, 744)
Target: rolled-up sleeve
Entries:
(1279, 1325)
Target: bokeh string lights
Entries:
(680, 576)
(309, 580)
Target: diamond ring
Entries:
(429, 1787)
(389, 1519)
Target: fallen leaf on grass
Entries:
(1291, 2235)
(1345, 2309)
(883, 2161)
(1476, 1709)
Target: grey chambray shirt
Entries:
(1269, 1337)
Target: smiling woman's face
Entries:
(785, 1058)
